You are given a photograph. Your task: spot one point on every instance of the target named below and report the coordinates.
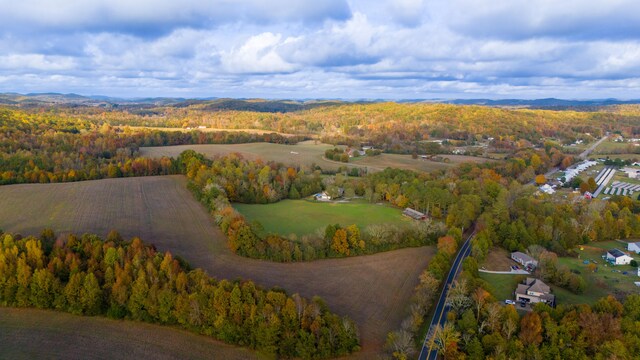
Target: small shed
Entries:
(414, 214)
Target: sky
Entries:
(348, 49)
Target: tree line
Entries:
(131, 280)
(52, 147)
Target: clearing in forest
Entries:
(302, 217)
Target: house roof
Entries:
(524, 257)
(535, 285)
(616, 253)
(539, 286)
(637, 243)
(412, 213)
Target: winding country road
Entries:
(429, 351)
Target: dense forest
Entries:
(128, 279)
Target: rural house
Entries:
(416, 215)
(324, 196)
(524, 259)
(634, 246)
(617, 257)
(535, 291)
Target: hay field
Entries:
(373, 290)
(65, 336)
(406, 162)
(308, 153)
(305, 153)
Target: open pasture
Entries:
(284, 217)
(373, 290)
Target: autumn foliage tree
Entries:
(88, 276)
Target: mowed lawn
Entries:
(608, 279)
(303, 217)
(373, 290)
(46, 334)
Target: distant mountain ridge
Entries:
(264, 105)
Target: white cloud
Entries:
(297, 48)
(257, 55)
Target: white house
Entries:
(547, 189)
(634, 246)
(617, 257)
(631, 172)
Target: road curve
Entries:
(428, 351)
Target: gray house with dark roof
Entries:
(524, 259)
(535, 291)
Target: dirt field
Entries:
(65, 336)
(498, 259)
(308, 153)
(305, 153)
(373, 290)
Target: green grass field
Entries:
(502, 286)
(608, 279)
(609, 147)
(303, 217)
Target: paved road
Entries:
(588, 151)
(512, 272)
(583, 155)
(429, 351)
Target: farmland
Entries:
(61, 335)
(161, 211)
(614, 147)
(280, 217)
(307, 154)
(408, 163)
